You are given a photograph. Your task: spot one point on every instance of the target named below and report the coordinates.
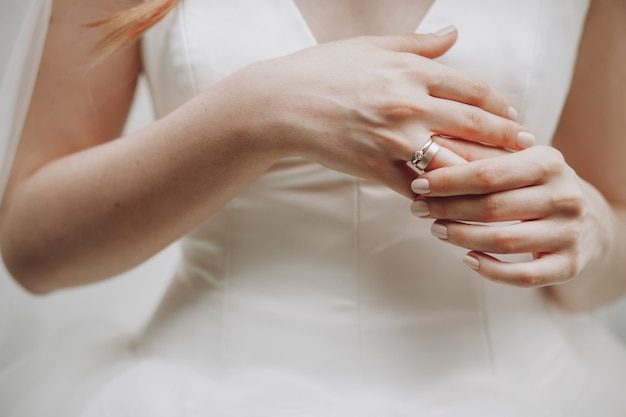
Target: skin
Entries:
(82, 206)
(571, 200)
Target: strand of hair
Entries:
(129, 25)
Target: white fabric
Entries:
(317, 294)
(22, 35)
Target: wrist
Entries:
(259, 116)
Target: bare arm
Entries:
(592, 137)
(81, 206)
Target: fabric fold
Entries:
(23, 28)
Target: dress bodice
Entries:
(524, 49)
(318, 274)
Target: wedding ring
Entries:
(424, 156)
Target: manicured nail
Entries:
(513, 114)
(439, 230)
(471, 262)
(445, 31)
(419, 208)
(525, 140)
(420, 186)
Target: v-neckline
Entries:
(313, 39)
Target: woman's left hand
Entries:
(554, 217)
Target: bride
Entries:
(312, 281)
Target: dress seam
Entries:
(358, 275)
(226, 286)
(533, 60)
(186, 43)
(486, 326)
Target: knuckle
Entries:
(492, 207)
(571, 237)
(549, 161)
(527, 279)
(552, 168)
(508, 135)
(569, 203)
(399, 108)
(504, 242)
(480, 92)
(474, 121)
(438, 77)
(547, 164)
(553, 153)
(487, 176)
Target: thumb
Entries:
(429, 45)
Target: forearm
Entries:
(100, 211)
(89, 214)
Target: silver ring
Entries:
(424, 156)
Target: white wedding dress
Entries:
(314, 293)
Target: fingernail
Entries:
(420, 186)
(471, 262)
(525, 140)
(420, 208)
(439, 230)
(445, 31)
(513, 114)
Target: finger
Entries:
(429, 45)
(470, 150)
(512, 205)
(453, 84)
(470, 122)
(446, 157)
(545, 270)
(400, 177)
(524, 237)
(443, 158)
(486, 176)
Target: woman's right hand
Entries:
(81, 206)
(363, 106)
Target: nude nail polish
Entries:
(471, 262)
(525, 140)
(420, 208)
(439, 230)
(420, 186)
(513, 114)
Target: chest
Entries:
(331, 20)
(525, 49)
